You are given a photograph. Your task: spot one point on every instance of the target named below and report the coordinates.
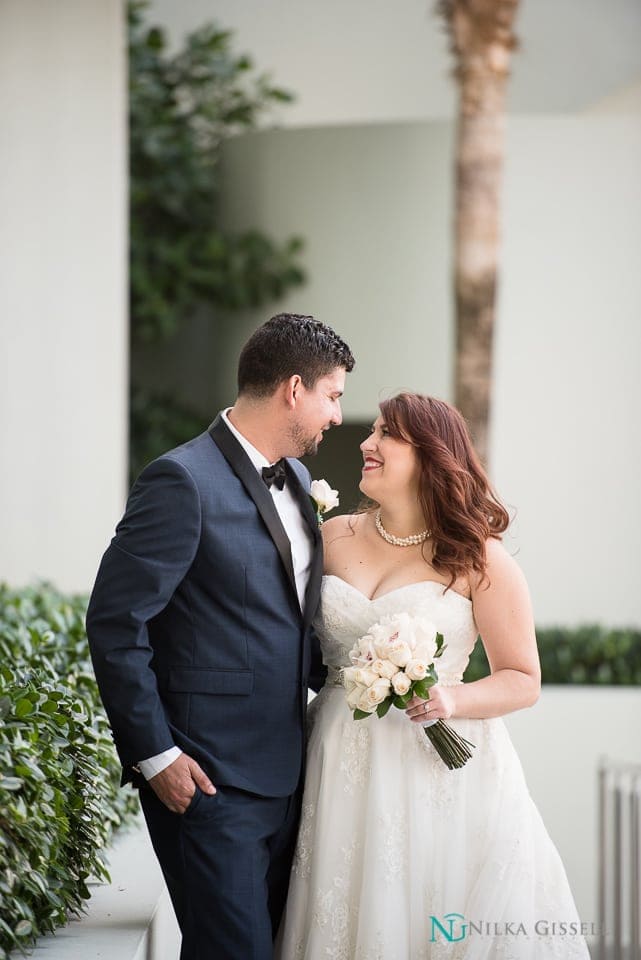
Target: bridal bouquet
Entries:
(393, 662)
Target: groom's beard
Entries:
(305, 445)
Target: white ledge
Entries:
(129, 919)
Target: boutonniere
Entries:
(323, 498)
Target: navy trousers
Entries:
(226, 863)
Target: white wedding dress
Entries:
(399, 858)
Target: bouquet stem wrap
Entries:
(453, 749)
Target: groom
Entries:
(199, 626)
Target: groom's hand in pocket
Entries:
(176, 784)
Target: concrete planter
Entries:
(129, 919)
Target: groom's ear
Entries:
(292, 389)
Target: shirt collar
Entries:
(254, 455)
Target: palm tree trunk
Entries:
(482, 40)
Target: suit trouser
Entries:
(226, 863)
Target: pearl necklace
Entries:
(410, 541)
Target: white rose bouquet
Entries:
(393, 662)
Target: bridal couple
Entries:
(220, 600)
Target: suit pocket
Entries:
(197, 680)
(202, 806)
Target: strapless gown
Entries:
(399, 858)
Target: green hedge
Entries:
(59, 774)
(587, 654)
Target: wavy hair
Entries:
(460, 507)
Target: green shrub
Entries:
(59, 774)
(585, 655)
(183, 105)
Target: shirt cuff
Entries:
(153, 765)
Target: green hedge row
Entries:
(59, 774)
(588, 654)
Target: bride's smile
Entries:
(390, 462)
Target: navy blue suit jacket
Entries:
(194, 626)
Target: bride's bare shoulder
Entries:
(336, 528)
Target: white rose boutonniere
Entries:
(323, 498)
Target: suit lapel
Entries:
(303, 499)
(255, 487)
(316, 572)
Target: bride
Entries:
(398, 857)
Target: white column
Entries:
(63, 276)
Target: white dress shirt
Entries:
(301, 547)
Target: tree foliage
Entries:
(183, 106)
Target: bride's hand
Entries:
(440, 706)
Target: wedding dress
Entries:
(399, 858)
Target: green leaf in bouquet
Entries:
(421, 688)
(360, 714)
(383, 708)
(440, 646)
(401, 700)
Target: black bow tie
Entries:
(275, 474)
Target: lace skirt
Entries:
(399, 858)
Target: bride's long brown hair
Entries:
(460, 507)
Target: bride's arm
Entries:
(503, 615)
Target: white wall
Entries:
(374, 205)
(560, 743)
(374, 61)
(566, 441)
(63, 353)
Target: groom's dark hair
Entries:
(286, 345)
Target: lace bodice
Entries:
(346, 614)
